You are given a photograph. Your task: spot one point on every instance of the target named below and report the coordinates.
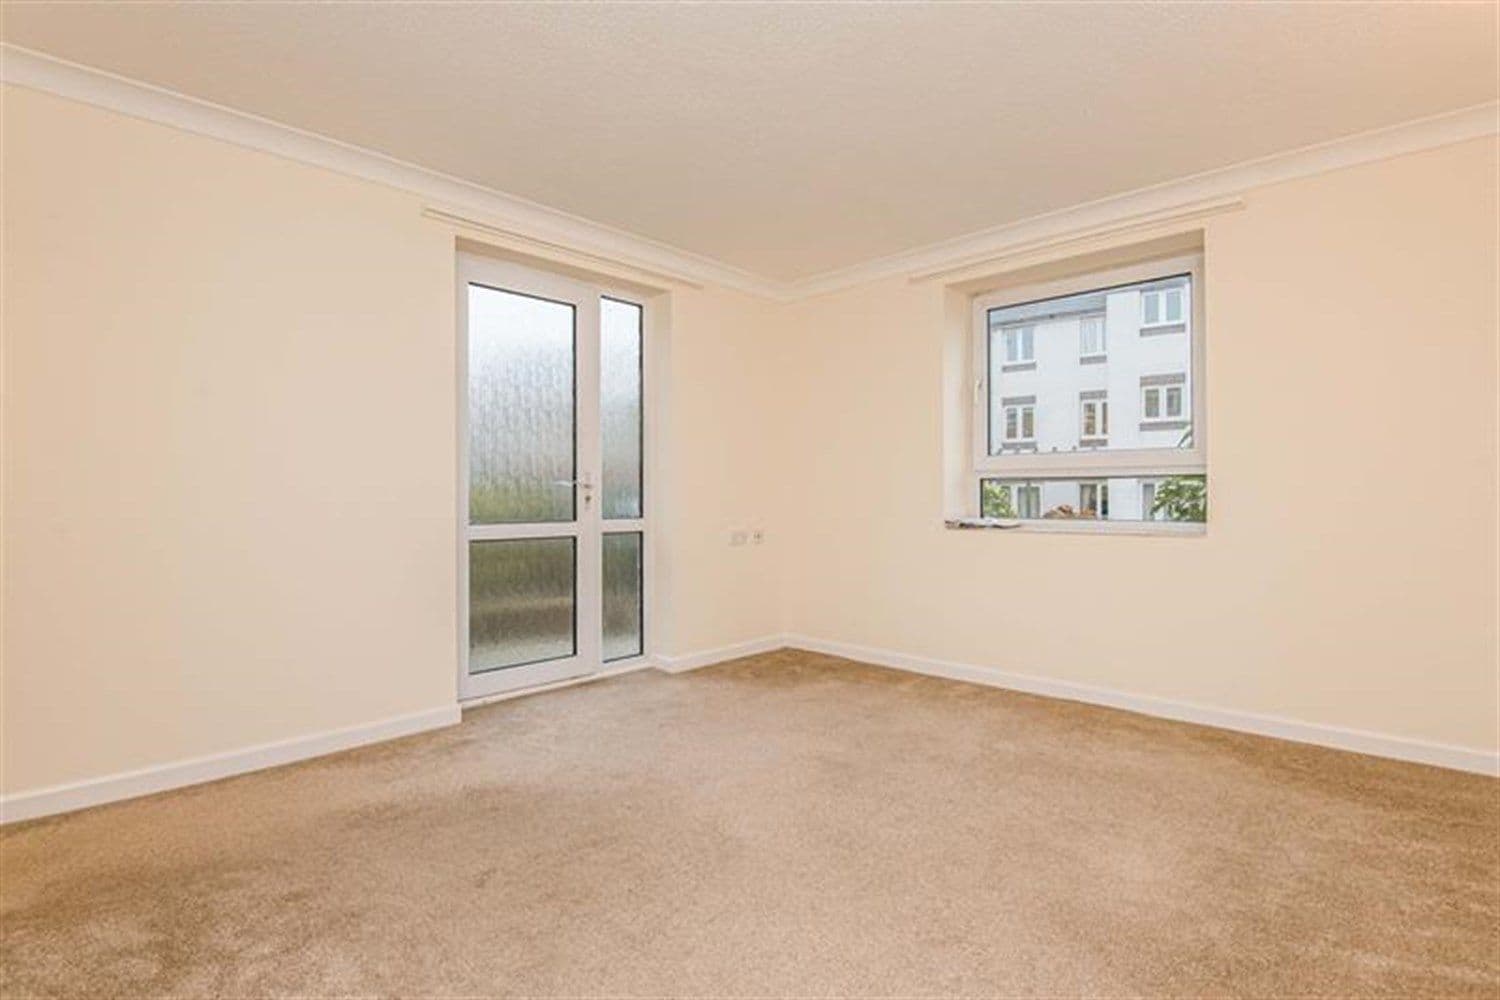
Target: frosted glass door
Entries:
(553, 564)
(522, 427)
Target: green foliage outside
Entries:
(1182, 498)
(994, 500)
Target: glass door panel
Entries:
(620, 329)
(522, 375)
(523, 602)
(623, 592)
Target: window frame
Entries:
(1163, 323)
(1163, 392)
(1092, 463)
(1103, 351)
(1022, 411)
(1101, 419)
(1025, 334)
(1101, 497)
(1016, 489)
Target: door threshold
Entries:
(636, 663)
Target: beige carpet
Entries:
(785, 824)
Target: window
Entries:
(1043, 424)
(1091, 336)
(1010, 500)
(1019, 345)
(1093, 500)
(1161, 398)
(1020, 422)
(1029, 501)
(1164, 306)
(1093, 423)
(1162, 500)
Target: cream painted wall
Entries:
(229, 457)
(720, 467)
(1348, 576)
(229, 463)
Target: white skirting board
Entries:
(147, 780)
(1336, 737)
(708, 657)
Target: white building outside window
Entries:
(1089, 398)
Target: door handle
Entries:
(584, 483)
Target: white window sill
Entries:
(1076, 526)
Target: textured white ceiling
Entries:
(793, 139)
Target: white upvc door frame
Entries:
(588, 526)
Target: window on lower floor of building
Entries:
(1011, 500)
(1093, 500)
(1164, 498)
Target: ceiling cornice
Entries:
(1174, 199)
(38, 71)
(547, 226)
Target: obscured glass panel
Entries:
(1147, 328)
(620, 407)
(522, 602)
(622, 595)
(1119, 498)
(521, 400)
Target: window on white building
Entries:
(1091, 338)
(1093, 500)
(1166, 306)
(1020, 422)
(1020, 345)
(1118, 499)
(1161, 401)
(1010, 500)
(1076, 433)
(1148, 500)
(1093, 418)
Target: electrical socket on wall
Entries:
(757, 535)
